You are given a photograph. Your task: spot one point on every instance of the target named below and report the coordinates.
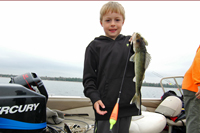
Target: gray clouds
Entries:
(18, 63)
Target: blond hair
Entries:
(112, 7)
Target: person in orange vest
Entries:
(191, 93)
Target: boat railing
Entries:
(173, 82)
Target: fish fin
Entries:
(136, 100)
(132, 58)
(148, 59)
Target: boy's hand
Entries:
(97, 105)
(198, 93)
(131, 39)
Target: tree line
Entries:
(62, 79)
(72, 79)
(48, 78)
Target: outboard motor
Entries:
(23, 110)
(29, 80)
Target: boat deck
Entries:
(76, 124)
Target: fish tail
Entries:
(136, 100)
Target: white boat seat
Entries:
(171, 107)
(148, 122)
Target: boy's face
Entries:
(112, 24)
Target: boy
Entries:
(191, 94)
(104, 66)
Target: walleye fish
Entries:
(141, 59)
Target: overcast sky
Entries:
(50, 37)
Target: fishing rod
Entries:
(114, 114)
(160, 76)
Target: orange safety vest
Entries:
(191, 79)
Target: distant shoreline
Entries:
(72, 79)
(48, 78)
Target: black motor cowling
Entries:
(23, 110)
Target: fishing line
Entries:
(160, 76)
(124, 71)
(130, 45)
(53, 129)
(114, 114)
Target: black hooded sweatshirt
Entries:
(104, 65)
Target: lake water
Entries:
(64, 88)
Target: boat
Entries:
(74, 114)
(78, 110)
